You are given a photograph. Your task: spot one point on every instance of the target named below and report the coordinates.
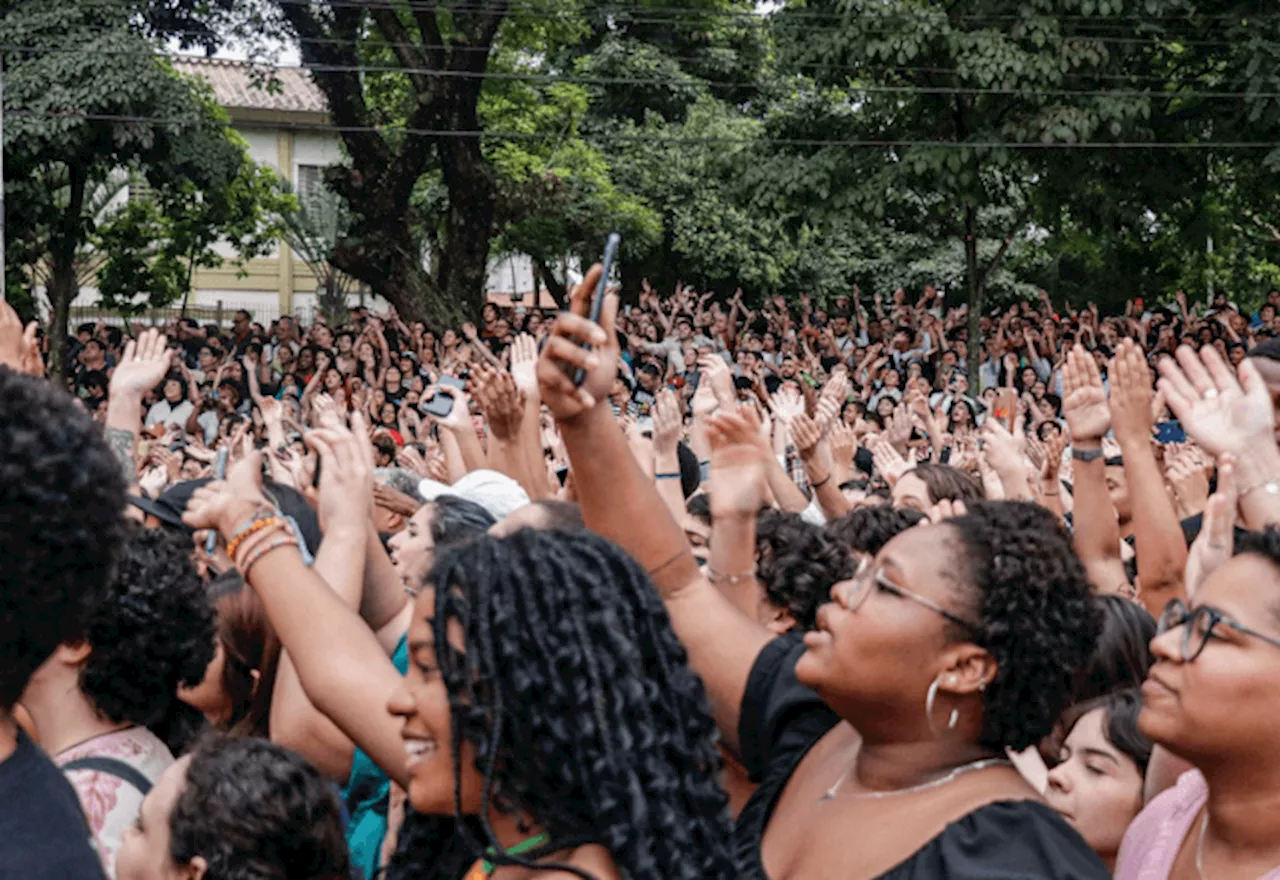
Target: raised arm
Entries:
(343, 669)
(1158, 541)
(616, 496)
(1097, 532)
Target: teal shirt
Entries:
(368, 793)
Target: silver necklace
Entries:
(1204, 826)
(923, 786)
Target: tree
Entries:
(88, 96)
(313, 229)
(968, 101)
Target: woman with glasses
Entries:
(879, 741)
(1212, 699)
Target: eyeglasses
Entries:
(870, 573)
(1199, 623)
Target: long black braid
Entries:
(581, 705)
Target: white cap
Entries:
(495, 492)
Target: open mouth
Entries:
(418, 749)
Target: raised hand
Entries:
(737, 481)
(889, 462)
(1085, 402)
(806, 434)
(787, 404)
(18, 347)
(524, 363)
(668, 423)
(346, 475)
(1130, 394)
(1221, 413)
(500, 400)
(226, 504)
(716, 372)
(564, 354)
(1216, 541)
(143, 365)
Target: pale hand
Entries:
(143, 365)
(1221, 414)
(736, 483)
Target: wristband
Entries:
(675, 476)
(260, 522)
(1086, 454)
(821, 483)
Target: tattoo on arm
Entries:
(121, 443)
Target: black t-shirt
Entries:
(43, 832)
(782, 720)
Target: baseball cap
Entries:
(495, 492)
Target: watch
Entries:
(1086, 454)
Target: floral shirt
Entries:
(110, 803)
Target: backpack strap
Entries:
(112, 767)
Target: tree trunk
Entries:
(554, 285)
(974, 360)
(463, 270)
(63, 284)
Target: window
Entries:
(310, 182)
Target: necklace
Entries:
(1204, 826)
(923, 786)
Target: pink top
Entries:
(1155, 838)
(110, 804)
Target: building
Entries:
(284, 126)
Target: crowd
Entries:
(692, 590)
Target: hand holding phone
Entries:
(597, 301)
(219, 473)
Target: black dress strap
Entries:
(112, 767)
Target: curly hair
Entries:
(797, 564)
(256, 811)
(581, 704)
(1032, 597)
(65, 496)
(868, 529)
(151, 630)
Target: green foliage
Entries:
(83, 84)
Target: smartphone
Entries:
(1170, 432)
(219, 473)
(452, 382)
(439, 404)
(1005, 407)
(315, 475)
(597, 301)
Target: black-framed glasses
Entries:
(1198, 625)
(870, 573)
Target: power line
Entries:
(696, 139)
(552, 78)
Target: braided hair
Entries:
(581, 705)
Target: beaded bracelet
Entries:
(262, 550)
(259, 523)
(261, 536)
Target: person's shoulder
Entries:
(593, 858)
(1024, 838)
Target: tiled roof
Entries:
(236, 87)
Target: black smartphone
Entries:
(597, 301)
(439, 404)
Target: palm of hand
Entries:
(1221, 423)
(1087, 413)
(137, 377)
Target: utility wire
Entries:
(552, 78)
(688, 139)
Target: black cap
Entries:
(172, 503)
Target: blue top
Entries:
(368, 792)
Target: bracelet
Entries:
(675, 476)
(259, 522)
(262, 550)
(716, 578)
(1050, 494)
(1086, 454)
(245, 547)
(821, 483)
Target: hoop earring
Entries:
(932, 695)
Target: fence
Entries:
(219, 314)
